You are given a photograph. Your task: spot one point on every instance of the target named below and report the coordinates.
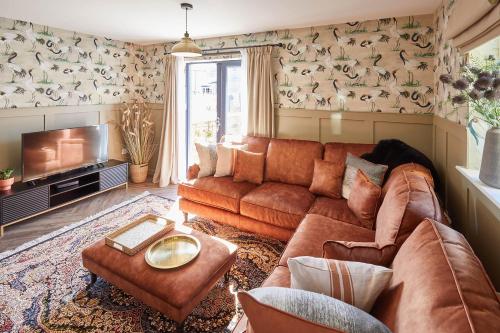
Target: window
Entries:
(213, 103)
(481, 57)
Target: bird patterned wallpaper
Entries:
(382, 65)
(447, 61)
(43, 66)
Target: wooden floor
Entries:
(33, 228)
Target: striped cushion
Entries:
(355, 283)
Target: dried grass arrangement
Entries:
(138, 132)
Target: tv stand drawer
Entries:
(24, 204)
(113, 176)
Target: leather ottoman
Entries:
(174, 293)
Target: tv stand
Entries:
(26, 200)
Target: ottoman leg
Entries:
(93, 279)
(226, 277)
(186, 217)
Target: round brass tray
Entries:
(172, 251)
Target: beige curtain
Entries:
(166, 166)
(473, 23)
(260, 92)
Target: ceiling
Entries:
(151, 21)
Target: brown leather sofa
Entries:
(283, 202)
(438, 284)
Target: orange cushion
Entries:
(367, 252)
(279, 204)
(327, 179)
(249, 167)
(220, 192)
(364, 199)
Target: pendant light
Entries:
(186, 47)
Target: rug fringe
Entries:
(57, 232)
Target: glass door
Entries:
(213, 103)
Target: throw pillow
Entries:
(275, 309)
(367, 252)
(374, 171)
(355, 283)
(207, 156)
(249, 167)
(364, 200)
(327, 179)
(226, 155)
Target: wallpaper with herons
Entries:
(383, 65)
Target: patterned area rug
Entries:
(43, 283)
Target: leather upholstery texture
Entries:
(249, 167)
(327, 179)
(367, 252)
(438, 285)
(365, 199)
(175, 292)
(280, 204)
(221, 192)
(314, 230)
(408, 201)
(292, 161)
(336, 209)
(236, 220)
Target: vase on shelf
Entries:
(490, 163)
(139, 172)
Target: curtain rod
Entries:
(229, 49)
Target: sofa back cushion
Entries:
(438, 285)
(292, 161)
(409, 199)
(337, 152)
(398, 171)
(256, 144)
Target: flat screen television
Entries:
(52, 152)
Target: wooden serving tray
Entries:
(135, 236)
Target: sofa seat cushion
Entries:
(438, 285)
(315, 230)
(336, 209)
(280, 277)
(279, 204)
(220, 192)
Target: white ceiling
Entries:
(150, 21)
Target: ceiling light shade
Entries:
(186, 47)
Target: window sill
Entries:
(472, 176)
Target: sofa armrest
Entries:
(192, 172)
(367, 252)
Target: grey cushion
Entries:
(373, 171)
(319, 309)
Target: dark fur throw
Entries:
(395, 152)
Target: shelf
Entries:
(74, 194)
(74, 188)
(493, 194)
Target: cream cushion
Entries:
(355, 283)
(207, 156)
(353, 163)
(226, 155)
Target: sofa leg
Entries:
(186, 217)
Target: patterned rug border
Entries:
(39, 240)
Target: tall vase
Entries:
(138, 172)
(490, 163)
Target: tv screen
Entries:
(52, 152)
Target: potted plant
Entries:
(6, 179)
(138, 136)
(480, 87)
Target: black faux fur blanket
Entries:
(395, 152)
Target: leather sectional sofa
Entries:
(283, 202)
(438, 284)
